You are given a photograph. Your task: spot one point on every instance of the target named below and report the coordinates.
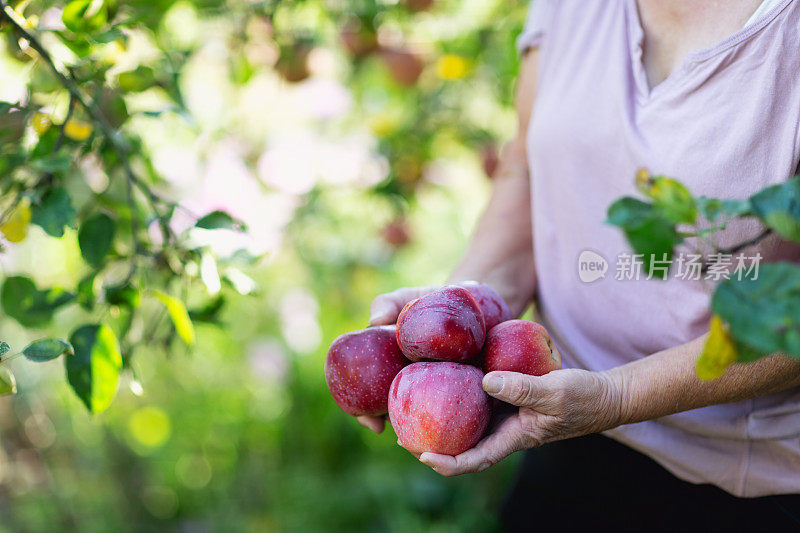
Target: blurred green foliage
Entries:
(350, 139)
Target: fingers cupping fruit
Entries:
(452, 336)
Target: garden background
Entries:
(354, 140)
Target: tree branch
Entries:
(69, 83)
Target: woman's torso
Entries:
(725, 122)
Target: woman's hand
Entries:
(386, 307)
(559, 405)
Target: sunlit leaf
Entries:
(81, 16)
(93, 370)
(95, 237)
(241, 282)
(46, 350)
(55, 212)
(8, 385)
(138, 80)
(718, 353)
(178, 315)
(77, 130)
(15, 228)
(41, 123)
(209, 273)
(673, 200)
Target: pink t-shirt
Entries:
(726, 123)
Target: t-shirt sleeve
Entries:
(536, 25)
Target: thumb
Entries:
(517, 389)
(382, 312)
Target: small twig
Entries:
(739, 247)
(742, 245)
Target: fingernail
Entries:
(493, 384)
(425, 459)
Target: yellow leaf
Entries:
(15, 228)
(41, 123)
(718, 353)
(178, 315)
(8, 385)
(452, 67)
(643, 180)
(77, 130)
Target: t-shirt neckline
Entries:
(636, 36)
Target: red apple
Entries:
(418, 5)
(404, 66)
(490, 159)
(397, 233)
(358, 40)
(360, 368)
(495, 309)
(292, 63)
(445, 325)
(520, 346)
(439, 407)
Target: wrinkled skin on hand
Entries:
(559, 405)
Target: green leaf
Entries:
(46, 144)
(220, 220)
(8, 385)
(718, 353)
(208, 312)
(84, 16)
(29, 306)
(126, 295)
(713, 208)
(46, 350)
(4, 348)
(629, 212)
(54, 212)
(138, 80)
(647, 231)
(673, 200)
(95, 238)
(178, 315)
(778, 207)
(52, 163)
(93, 370)
(762, 312)
(85, 292)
